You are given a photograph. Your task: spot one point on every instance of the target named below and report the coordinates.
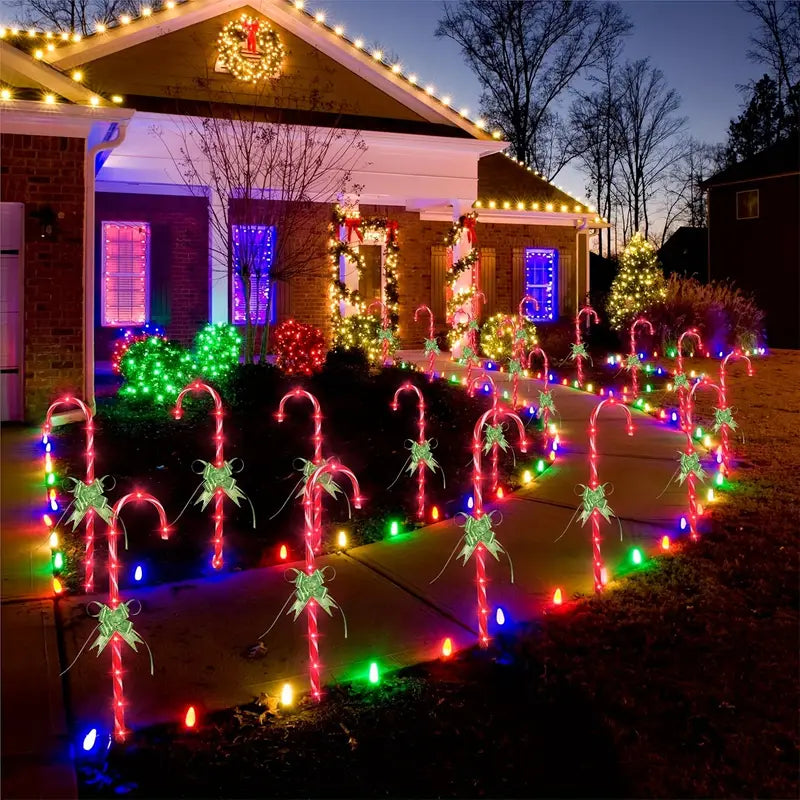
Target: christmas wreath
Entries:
(249, 49)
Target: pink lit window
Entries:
(124, 291)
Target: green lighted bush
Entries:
(217, 349)
(156, 369)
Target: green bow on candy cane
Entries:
(387, 334)
(633, 362)
(578, 350)
(312, 587)
(724, 416)
(690, 464)
(521, 335)
(326, 481)
(594, 500)
(421, 454)
(431, 346)
(514, 366)
(479, 531)
(215, 478)
(680, 381)
(115, 620)
(546, 401)
(89, 496)
(495, 435)
(473, 325)
(468, 354)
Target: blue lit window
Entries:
(253, 245)
(541, 282)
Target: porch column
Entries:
(218, 261)
(464, 281)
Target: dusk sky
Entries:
(700, 46)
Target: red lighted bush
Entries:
(299, 348)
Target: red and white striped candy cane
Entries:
(431, 335)
(47, 427)
(723, 375)
(477, 495)
(487, 380)
(409, 387)
(635, 372)
(219, 460)
(594, 482)
(385, 325)
(329, 468)
(683, 393)
(546, 412)
(118, 702)
(588, 312)
(314, 542)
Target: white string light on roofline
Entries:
(146, 12)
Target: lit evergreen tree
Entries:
(639, 284)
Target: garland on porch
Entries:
(456, 299)
(359, 329)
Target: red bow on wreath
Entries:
(251, 28)
(353, 224)
(469, 226)
(391, 231)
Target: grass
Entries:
(679, 681)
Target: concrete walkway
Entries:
(35, 747)
(200, 631)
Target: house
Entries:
(686, 253)
(107, 233)
(754, 234)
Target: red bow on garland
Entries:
(391, 231)
(469, 226)
(353, 224)
(251, 28)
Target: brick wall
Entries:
(46, 174)
(179, 262)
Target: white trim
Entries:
(562, 218)
(287, 16)
(121, 187)
(61, 119)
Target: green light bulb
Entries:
(374, 676)
(636, 556)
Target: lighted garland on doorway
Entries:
(359, 329)
(455, 300)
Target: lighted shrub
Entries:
(217, 348)
(126, 339)
(638, 286)
(497, 337)
(725, 316)
(299, 348)
(156, 369)
(362, 332)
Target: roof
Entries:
(781, 158)
(504, 183)
(68, 51)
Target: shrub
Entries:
(361, 332)
(725, 316)
(128, 337)
(156, 369)
(217, 348)
(497, 337)
(299, 348)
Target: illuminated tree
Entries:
(639, 284)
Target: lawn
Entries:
(679, 681)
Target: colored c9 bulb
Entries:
(557, 597)
(374, 675)
(447, 647)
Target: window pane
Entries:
(541, 275)
(747, 204)
(253, 250)
(125, 260)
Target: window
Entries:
(125, 258)
(369, 284)
(541, 278)
(253, 251)
(747, 204)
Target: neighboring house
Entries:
(686, 253)
(754, 234)
(111, 236)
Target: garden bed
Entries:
(143, 447)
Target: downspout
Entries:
(88, 260)
(579, 227)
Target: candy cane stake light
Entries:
(219, 461)
(89, 456)
(723, 419)
(633, 363)
(599, 505)
(319, 597)
(316, 499)
(120, 625)
(546, 404)
(484, 380)
(431, 346)
(386, 333)
(483, 535)
(468, 352)
(421, 457)
(723, 375)
(680, 381)
(578, 348)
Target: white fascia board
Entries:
(297, 22)
(560, 218)
(60, 119)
